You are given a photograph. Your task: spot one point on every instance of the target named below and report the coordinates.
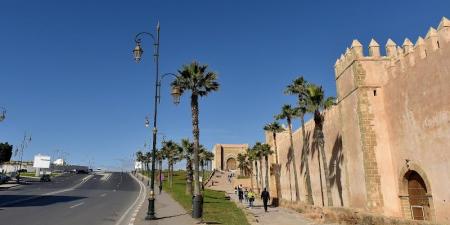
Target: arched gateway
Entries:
(231, 164)
(415, 194)
(418, 200)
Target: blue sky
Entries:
(69, 79)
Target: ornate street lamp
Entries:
(137, 53)
(176, 94)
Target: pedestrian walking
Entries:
(265, 196)
(245, 195)
(251, 198)
(240, 194)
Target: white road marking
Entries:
(105, 176)
(103, 195)
(81, 203)
(136, 211)
(140, 197)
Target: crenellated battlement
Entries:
(397, 56)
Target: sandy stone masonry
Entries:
(388, 138)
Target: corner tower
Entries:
(359, 81)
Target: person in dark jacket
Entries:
(240, 193)
(265, 196)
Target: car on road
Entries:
(45, 178)
(4, 178)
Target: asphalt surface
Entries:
(72, 199)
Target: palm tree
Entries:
(188, 150)
(159, 157)
(257, 156)
(172, 152)
(242, 158)
(148, 160)
(288, 113)
(266, 152)
(251, 159)
(202, 156)
(209, 156)
(317, 103)
(299, 88)
(195, 78)
(140, 158)
(275, 128)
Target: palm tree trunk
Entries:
(196, 134)
(251, 175)
(188, 176)
(267, 171)
(170, 175)
(325, 170)
(277, 168)
(297, 192)
(260, 174)
(160, 172)
(306, 163)
(203, 170)
(257, 180)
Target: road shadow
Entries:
(36, 200)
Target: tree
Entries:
(200, 82)
(159, 157)
(266, 152)
(251, 159)
(317, 103)
(288, 113)
(256, 157)
(242, 158)
(298, 87)
(5, 152)
(140, 158)
(201, 156)
(209, 156)
(188, 150)
(275, 128)
(172, 152)
(147, 160)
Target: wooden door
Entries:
(418, 199)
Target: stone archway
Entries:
(231, 164)
(415, 194)
(418, 200)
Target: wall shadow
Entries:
(335, 166)
(306, 150)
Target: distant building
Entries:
(59, 162)
(225, 156)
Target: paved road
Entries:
(100, 199)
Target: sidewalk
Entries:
(256, 215)
(274, 215)
(168, 212)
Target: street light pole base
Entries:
(151, 209)
(197, 206)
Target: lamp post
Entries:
(2, 113)
(26, 140)
(137, 52)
